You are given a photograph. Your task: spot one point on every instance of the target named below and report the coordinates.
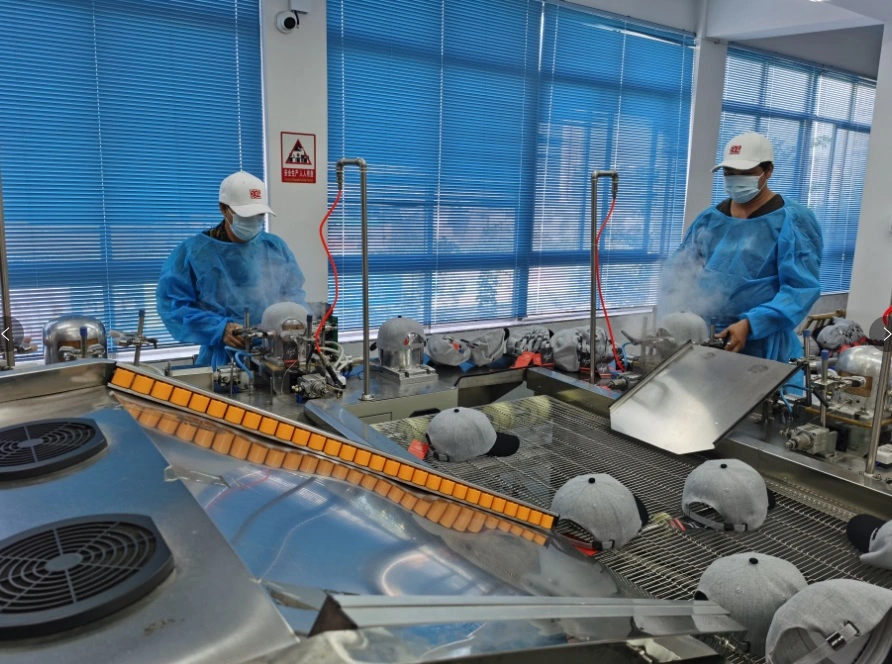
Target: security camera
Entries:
(286, 22)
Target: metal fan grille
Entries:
(76, 571)
(38, 448)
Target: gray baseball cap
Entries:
(731, 488)
(603, 506)
(568, 347)
(460, 434)
(873, 537)
(841, 621)
(487, 347)
(685, 326)
(751, 587)
(517, 334)
(396, 333)
(448, 350)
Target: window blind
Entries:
(481, 121)
(118, 120)
(818, 120)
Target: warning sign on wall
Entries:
(298, 157)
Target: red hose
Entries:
(619, 364)
(886, 316)
(334, 270)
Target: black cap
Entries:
(505, 445)
(861, 529)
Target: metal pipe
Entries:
(8, 343)
(864, 424)
(363, 197)
(137, 349)
(879, 408)
(806, 335)
(593, 316)
(825, 356)
(247, 319)
(84, 334)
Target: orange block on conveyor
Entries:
(251, 421)
(284, 431)
(332, 448)
(216, 409)
(180, 397)
(199, 403)
(142, 384)
(268, 426)
(161, 391)
(123, 379)
(234, 414)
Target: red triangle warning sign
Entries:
(298, 155)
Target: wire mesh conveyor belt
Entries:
(559, 441)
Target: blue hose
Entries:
(237, 355)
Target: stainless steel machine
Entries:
(74, 337)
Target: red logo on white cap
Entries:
(255, 194)
(735, 149)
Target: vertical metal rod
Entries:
(825, 361)
(137, 347)
(593, 316)
(247, 318)
(879, 408)
(84, 334)
(366, 335)
(806, 335)
(595, 275)
(8, 343)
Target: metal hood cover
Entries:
(695, 398)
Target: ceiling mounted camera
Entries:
(287, 22)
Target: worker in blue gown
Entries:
(751, 263)
(211, 278)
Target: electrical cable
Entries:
(334, 269)
(619, 364)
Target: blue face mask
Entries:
(246, 228)
(742, 188)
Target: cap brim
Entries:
(860, 530)
(505, 445)
(251, 210)
(737, 164)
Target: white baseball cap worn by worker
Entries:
(245, 194)
(746, 151)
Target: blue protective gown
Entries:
(206, 283)
(766, 269)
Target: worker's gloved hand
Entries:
(735, 335)
(229, 337)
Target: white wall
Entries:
(296, 100)
(872, 271)
(679, 14)
(706, 112)
(755, 19)
(856, 50)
